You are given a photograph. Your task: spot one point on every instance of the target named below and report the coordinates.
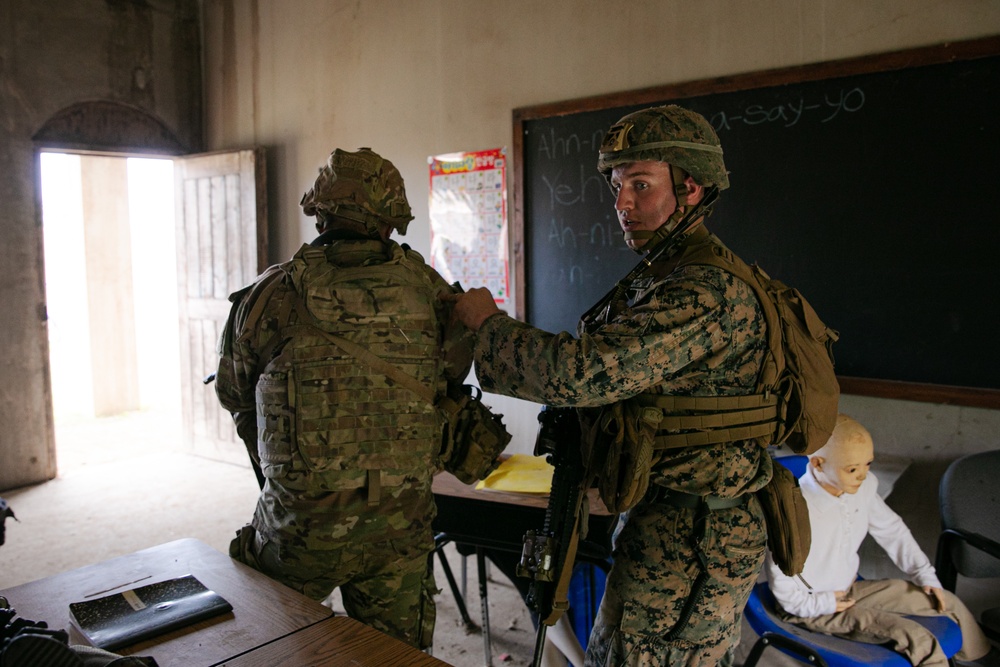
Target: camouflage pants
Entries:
(655, 569)
(388, 585)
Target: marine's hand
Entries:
(843, 602)
(938, 596)
(473, 307)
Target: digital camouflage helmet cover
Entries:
(361, 187)
(671, 134)
(675, 136)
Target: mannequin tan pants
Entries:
(877, 618)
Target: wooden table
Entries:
(263, 609)
(336, 641)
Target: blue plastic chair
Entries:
(825, 650)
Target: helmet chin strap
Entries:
(678, 176)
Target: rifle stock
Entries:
(549, 554)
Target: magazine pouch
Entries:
(626, 431)
(473, 437)
(788, 531)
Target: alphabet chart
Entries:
(468, 216)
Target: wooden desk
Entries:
(336, 641)
(263, 609)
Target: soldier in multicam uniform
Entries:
(688, 553)
(346, 453)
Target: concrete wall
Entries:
(53, 55)
(424, 77)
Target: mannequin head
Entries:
(843, 462)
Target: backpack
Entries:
(799, 369)
(798, 366)
(795, 403)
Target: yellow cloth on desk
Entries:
(520, 473)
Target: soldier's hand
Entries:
(472, 308)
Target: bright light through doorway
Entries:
(153, 285)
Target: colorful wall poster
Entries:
(468, 216)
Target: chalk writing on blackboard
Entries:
(567, 190)
(835, 190)
(790, 113)
(552, 146)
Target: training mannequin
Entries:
(844, 507)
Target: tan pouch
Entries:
(473, 436)
(626, 431)
(789, 534)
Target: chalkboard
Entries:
(872, 185)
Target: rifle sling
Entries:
(560, 597)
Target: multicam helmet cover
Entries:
(669, 134)
(359, 186)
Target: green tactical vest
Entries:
(321, 409)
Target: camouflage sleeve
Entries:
(235, 380)
(458, 348)
(457, 341)
(677, 323)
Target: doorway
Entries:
(111, 292)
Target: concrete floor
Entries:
(123, 485)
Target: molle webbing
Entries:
(691, 421)
(359, 396)
(376, 363)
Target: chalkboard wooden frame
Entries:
(885, 62)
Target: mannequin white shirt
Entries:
(839, 525)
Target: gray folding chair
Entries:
(969, 544)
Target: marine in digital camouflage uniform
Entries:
(690, 331)
(346, 454)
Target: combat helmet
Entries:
(672, 134)
(684, 140)
(362, 187)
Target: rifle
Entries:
(548, 555)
